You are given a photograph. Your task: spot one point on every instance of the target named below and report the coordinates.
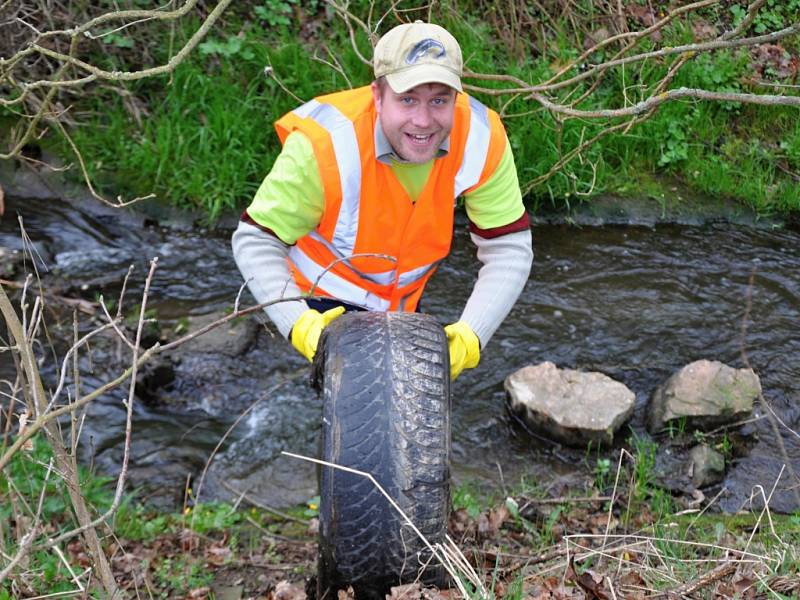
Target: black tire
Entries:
(385, 382)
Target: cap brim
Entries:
(402, 81)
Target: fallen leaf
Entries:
(595, 37)
(551, 583)
(411, 591)
(592, 583)
(498, 516)
(643, 15)
(217, 555)
(703, 30)
(348, 594)
(589, 581)
(773, 60)
(631, 586)
(743, 584)
(78, 554)
(286, 591)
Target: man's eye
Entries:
(406, 100)
(439, 101)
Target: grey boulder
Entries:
(573, 407)
(704, 394)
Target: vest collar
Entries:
(386, 154)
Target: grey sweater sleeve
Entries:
(262, 260)
(507, 263)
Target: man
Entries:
(358, 207)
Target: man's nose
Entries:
(422, 116)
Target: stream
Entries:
(636, 302)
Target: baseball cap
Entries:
(415, 53)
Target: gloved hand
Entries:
(308, 328)
(465, 348)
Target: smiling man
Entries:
(361, 199)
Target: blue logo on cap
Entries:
(426, 47)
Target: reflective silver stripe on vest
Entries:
(476, 150)
(336, 286)
(381, 277)
(416, 274)
(348, 159)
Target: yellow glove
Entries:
(465, 348)
(308, 328)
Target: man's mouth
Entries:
(419, 139)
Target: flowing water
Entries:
(635, 302)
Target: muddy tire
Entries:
(385, 383)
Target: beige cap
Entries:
(415, 53)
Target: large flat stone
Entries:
(573, 407)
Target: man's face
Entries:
(416, 122)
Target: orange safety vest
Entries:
(368, 212)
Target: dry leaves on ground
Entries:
(286, 591)
(415, 591)
(773, 60)
(552, 588)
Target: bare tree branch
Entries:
(36, 388)
(144, 73)
(674, 94)
(24, 91)
(123, 474)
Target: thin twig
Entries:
(122, 477)
(706, 579)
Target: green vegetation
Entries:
(208, 139)
(203, 136)
(520, 544)
(640, 543)
(186, 545)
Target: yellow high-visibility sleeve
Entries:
(290, 200)
(498, 201)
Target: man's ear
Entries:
(376, 96)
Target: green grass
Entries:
(661, 544)
(203, 144)
(208, 140)
(25, 480)
(23, 483)
(181, 575)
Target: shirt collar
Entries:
(386, 154)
